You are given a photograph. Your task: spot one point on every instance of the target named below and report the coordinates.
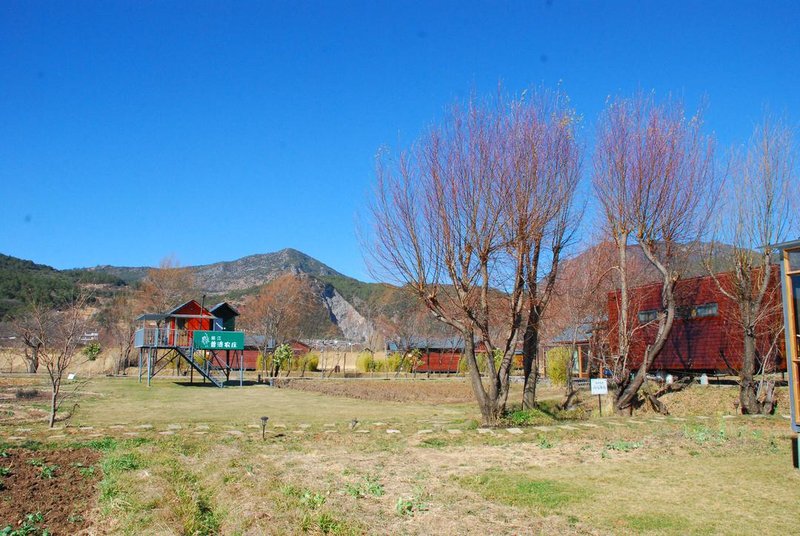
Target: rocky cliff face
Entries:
(352, 324)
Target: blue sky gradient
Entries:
(130, 131)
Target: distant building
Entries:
(583, 342)
(254, 345)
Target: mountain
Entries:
(345, 308)
(23, 281)
(255, 270)
(238, 280)
(238, 275)
(341, 309)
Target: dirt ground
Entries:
(59, 485)
(23, 401)
(711, 400)
(431, 392)
(187, 459)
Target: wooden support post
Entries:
(149, 365)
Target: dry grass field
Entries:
(179, 459)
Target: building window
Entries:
(707, 309)
(647, 316)
(697, 311)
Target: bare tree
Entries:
(545, 175)
(118, 323)
(59, 333)
(654, 177)
(278, 311)
(24, 327)
(454, 217)
(580, 301)
(758, 215)
(166, 287)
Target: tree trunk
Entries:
(570, 393)
(33, 362)
(748, 389)
(530, 363)
(491, 408)
(628, 395)
(53, 407)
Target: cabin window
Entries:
(647, 316)
(697, 311)
(707, 309)
(794, 260)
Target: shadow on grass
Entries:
(230, 383)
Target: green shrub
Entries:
(483, 362)
(529, 417)
(283, 356)
(557, 362)
(312, 361)
(365, 362)
(370, 485)
(393, 362)
(32, 525)
(92, 350)
(260, 361)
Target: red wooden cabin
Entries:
(190, 316)
(446, 358)
(705, 336)
(439, 360)
(254, 346)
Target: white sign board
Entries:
(599, 386)
(71, 376)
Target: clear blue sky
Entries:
(212, 130)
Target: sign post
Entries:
(599, 387)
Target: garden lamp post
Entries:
(264, 427)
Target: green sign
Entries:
(218, 340)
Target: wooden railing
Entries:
(163, 338)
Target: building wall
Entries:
(710, 343)
(251, 354)
(439, 361)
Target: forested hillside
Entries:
(23, 281)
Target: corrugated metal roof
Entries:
(582, 333)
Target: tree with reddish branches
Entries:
(654, 178)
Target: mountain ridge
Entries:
(237, 274)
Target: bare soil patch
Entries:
(22, 401)
(711, 400)
(431, 392)
(58, 484)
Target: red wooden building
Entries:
(439, 360)
(445, 355)
(254, 345)
(706, 335)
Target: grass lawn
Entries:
(176, 459)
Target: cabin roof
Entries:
(225, 309)
(791, 244)
(174, 313)
(582, 333)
